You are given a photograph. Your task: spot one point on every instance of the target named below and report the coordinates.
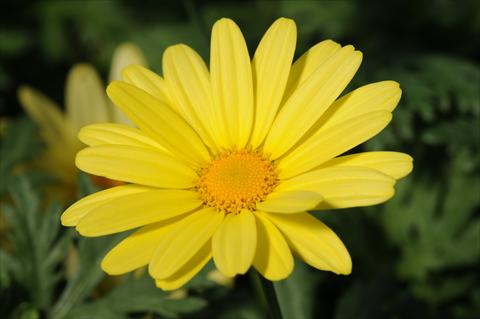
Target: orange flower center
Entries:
(237, 180)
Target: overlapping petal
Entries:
(79, 209)
(85, 100)
(135, 210)
(290, 201)
(311, 100)
(46, 114)
(271, 67)
(182, 243)
(232, 87)
(116, 134)
(313, 241)
(148, 81)
(136, 250)
(379, 96)
(273, 258)
(189, 81)
(187, 271)
(394, 164)
(343, 186)
(136, 165)
(326, 144)
(308, 63)
(234, 243)
(160, 122)
(125, 54)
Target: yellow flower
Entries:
(85, 103)
(226, 163)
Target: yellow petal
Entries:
(311, 100)
(182, 243)
(289, 201)
(85, 99)
(234, 243)
(125, 54)
(394, 164)
(54, 127)
(326, 144)
(136, 165)
(273, 258)
(343, 186)
(77, 211)
(148, 81)
(308, 63)
(135, 210)
(187, 75)
(188, 271)
(271, 66)
(160, 122)
(232, 87)
(136, 250)
(380, 96)
(313, 241)
(111, 133)
(56, 131)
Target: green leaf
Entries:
(19, 144)
(31, 264)
(457, 134)
(436, 90)
(87, 276)
(377, 297)
(13, 42)
(429, 222)
(136, 294)
(295, 293)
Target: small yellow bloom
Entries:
(226, 162)
(85, 103)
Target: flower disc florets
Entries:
(236, 180)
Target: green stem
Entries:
(266, 292)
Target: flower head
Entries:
(226, 162)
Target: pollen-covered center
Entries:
(235, 180)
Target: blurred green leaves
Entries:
(136, 295)
(19, 144)
(295, 293)
(37, 250)
(436, 230)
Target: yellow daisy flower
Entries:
(85, 103)
(227, 162)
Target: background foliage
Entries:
(415, 257)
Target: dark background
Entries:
(416, 256)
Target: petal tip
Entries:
(82, 70)
(65, 221)
(223, 23)
(23, 91)
(127, 70)
(80, 157)
(109, 268)
(112, 87)
(286, 20)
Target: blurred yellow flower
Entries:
(226, 162)
(85, 103)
